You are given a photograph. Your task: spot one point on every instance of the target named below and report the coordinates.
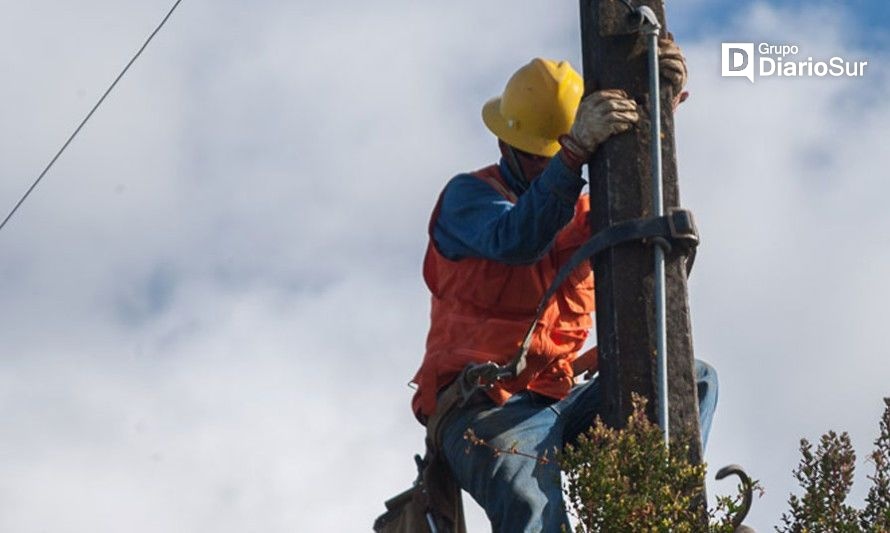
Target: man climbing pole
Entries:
(498, 237)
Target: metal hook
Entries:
(747, 495)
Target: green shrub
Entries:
(628, 480)
(826, 476)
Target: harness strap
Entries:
(677, 228)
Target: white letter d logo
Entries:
(738, 60)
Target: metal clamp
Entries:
(480, 376)
(649, 24)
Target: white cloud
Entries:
(213, 303)
(785, 177)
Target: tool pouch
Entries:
(433, 504)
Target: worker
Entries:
(497, 238)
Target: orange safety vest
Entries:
(481, 310)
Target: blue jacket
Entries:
(477, 221)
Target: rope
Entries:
(89, 115)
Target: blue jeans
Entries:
(520, 494)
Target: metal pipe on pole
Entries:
(650, 28)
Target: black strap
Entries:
(677, 228)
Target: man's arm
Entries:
(477, 221)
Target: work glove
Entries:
(601, 115)
(672, 65)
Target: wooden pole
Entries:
(614, 57)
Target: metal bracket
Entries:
(480, 376)
(648, 21)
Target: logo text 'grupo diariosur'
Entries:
(778, 60)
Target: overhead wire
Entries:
(89, 115)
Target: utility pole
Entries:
(614, 57)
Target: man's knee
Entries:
(705, 379)
(707, 386)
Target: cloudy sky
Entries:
(212, 305)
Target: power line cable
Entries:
(90, 114)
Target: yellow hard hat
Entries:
(538, 105)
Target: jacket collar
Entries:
(515, 185)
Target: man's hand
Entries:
(605, 113)
(601, 115)
(672, 65)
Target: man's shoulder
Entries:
(476, 181)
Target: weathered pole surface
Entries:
(614, 57)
